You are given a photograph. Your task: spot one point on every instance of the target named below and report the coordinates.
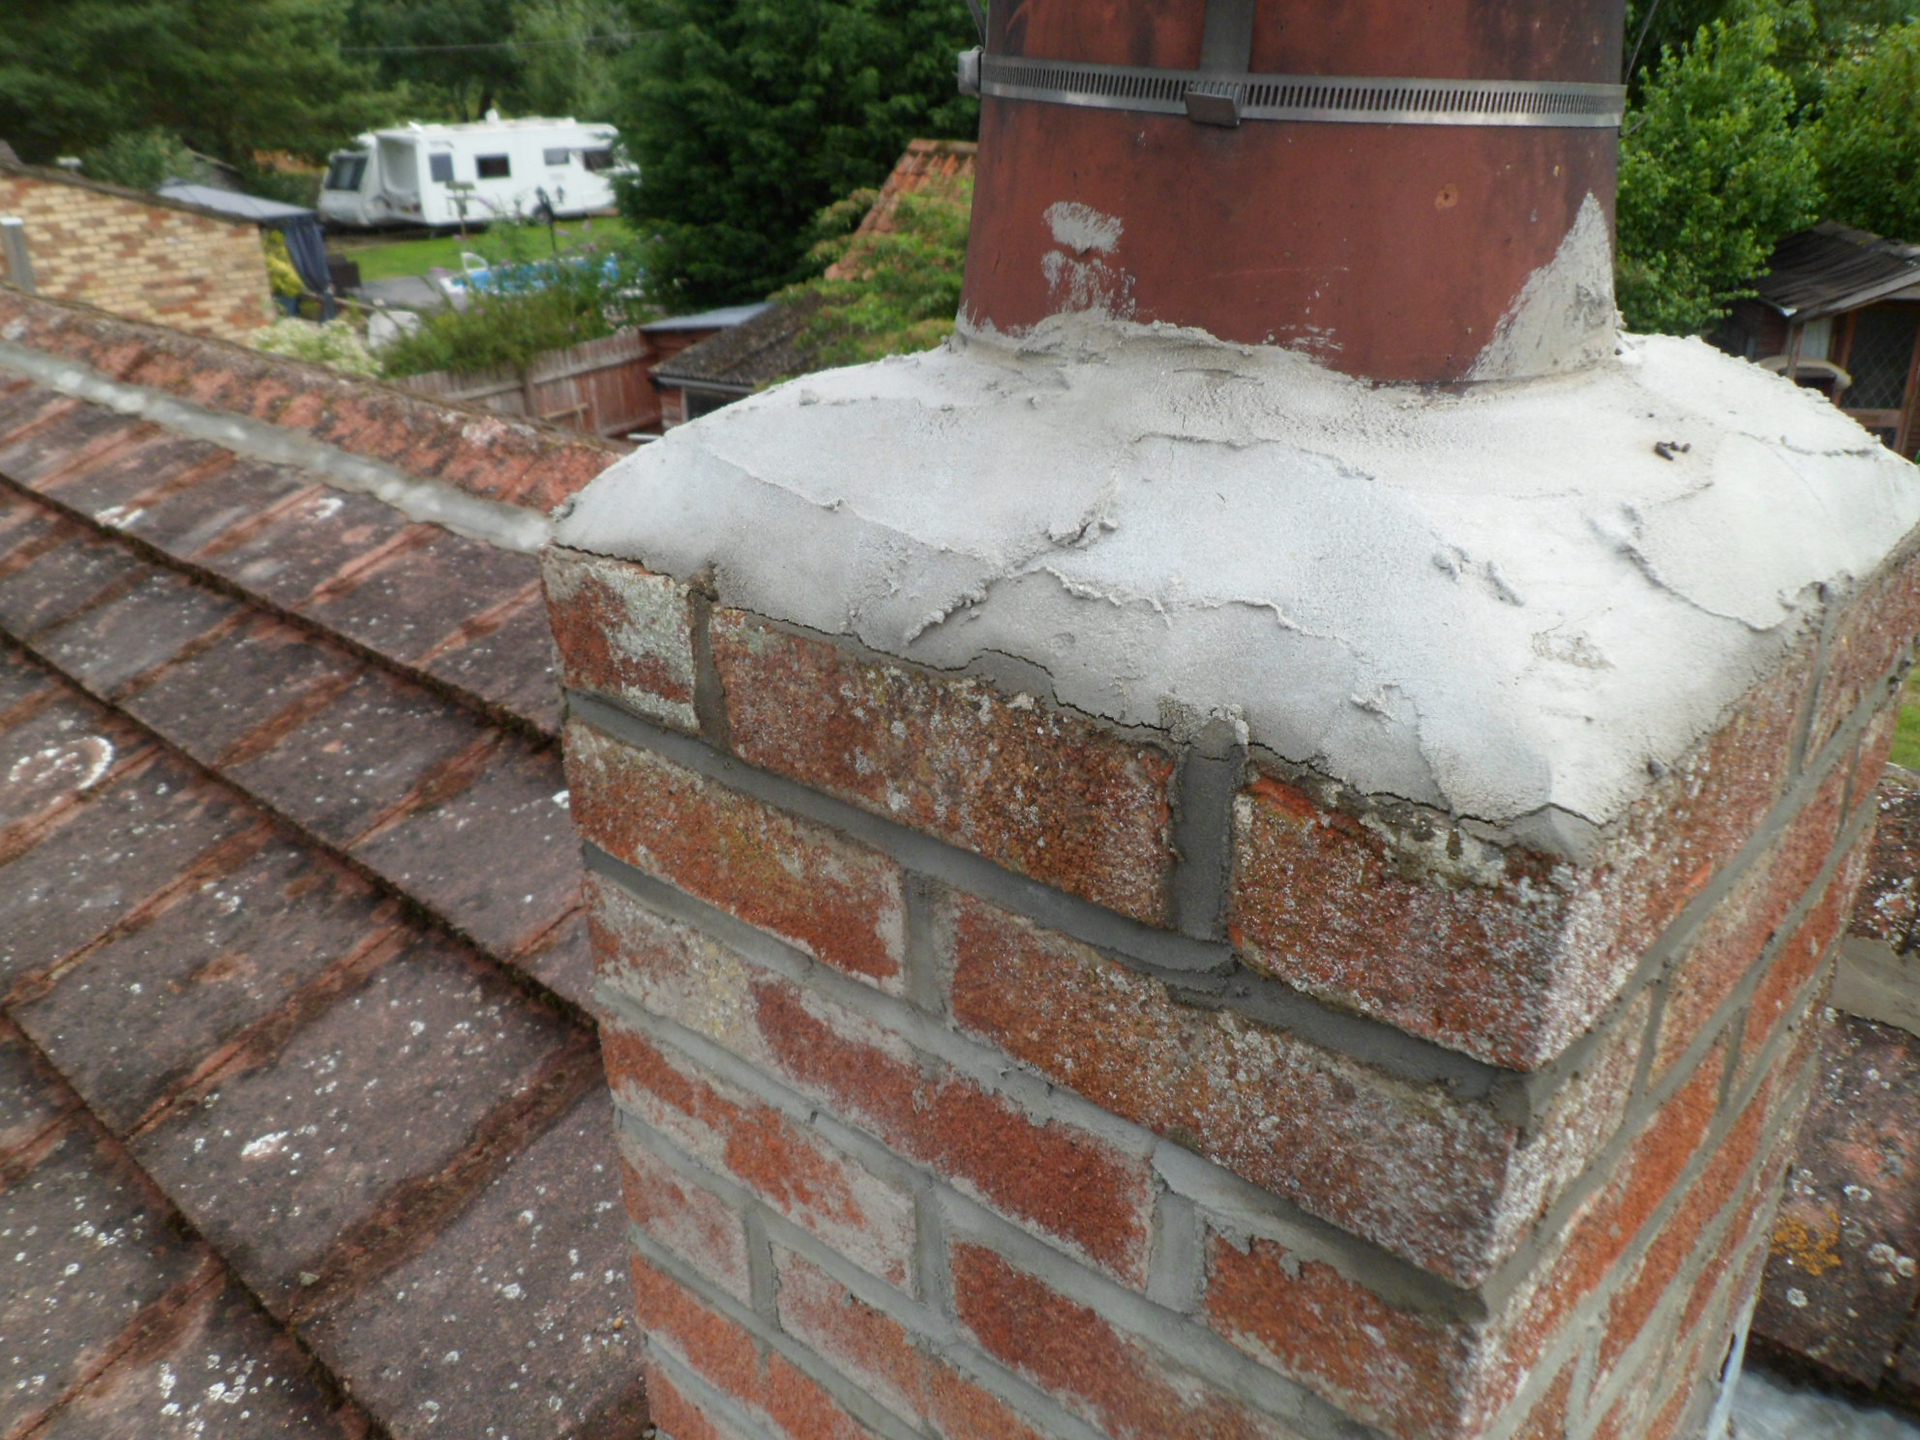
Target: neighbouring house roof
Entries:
(718, 319)
(299, 1095)
(233, 204)
(1831, 269)
(772, 344)
(739, 360)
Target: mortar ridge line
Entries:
(1353, 1254)
(1392, 1051)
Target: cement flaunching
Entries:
(1516, 603)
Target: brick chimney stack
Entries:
(1150, 886)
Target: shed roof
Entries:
(718, 319)
(256, 208)
(1832, 268)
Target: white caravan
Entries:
(493, 169)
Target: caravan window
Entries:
(493, 167)
(345, 172)
(558, 157)
(440, 169)
(597, 160)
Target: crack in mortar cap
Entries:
(1502, 603)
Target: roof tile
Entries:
(350, 763)
(507, 659)
(130, 841)
(55, 753)
(303, 546)
(230, 953)
(105, 647)
(184, 521)
(277, 1163)
(58, 584)
(29, 1100)
(101, 1254)
(514, 1322)
(217, 1367)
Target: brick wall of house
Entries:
(984, 1071)
(137, 255)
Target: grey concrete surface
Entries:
(1766, 1407)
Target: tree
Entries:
(451, 58)
(566, 60)
(1712, 174)
(899, 289)
(1867, 140)
(226, 76)
(745, 117)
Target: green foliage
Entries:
(427, 51)
(745, 117)
(226, 76)
(145, 160)
(1867, 138)
(564, 68)
(904, 287)
(536, 305)
(336, 345)
(1712, 174)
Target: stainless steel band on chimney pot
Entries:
(1212, 98)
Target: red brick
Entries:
(868, 1347)
(1798, 965)
(1071, 1186)
(821, 1190)
(678, 1417)
(1046, 794)
(1408, 1373)
(695, 1225)
(1725, 1178)
(1115, 1380)
(1731, 940)
(624, 633)
(730, 1359)
(1445, 1183)
(1591, 1245)
(838, 901)
(1548, 1418)
(1879, 623)
(1509, 954)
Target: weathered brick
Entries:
(1731, 940)
(695, 1225)
(836, 900)
(1044, 793)
(624, 633)
(830, 1194)
(1506, 954)
(1408, 1373)
(1076, 1189)
(1448, 1184)
(753, 1375)
(1798, 964)
(1117, 1381)
(1547, 1420)
(887, 1362)
(1877, 627)
(1889, 898)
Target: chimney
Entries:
(1154, 876)
(1405, 192)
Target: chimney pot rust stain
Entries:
(1325, 237)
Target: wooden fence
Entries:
(600, 386)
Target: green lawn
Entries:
(415, 257)
(1906, 739)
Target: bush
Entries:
(145, 160)
(530, 306)
(1713, 173)
(904, 291)
(336, 345)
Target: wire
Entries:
(490, 45)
